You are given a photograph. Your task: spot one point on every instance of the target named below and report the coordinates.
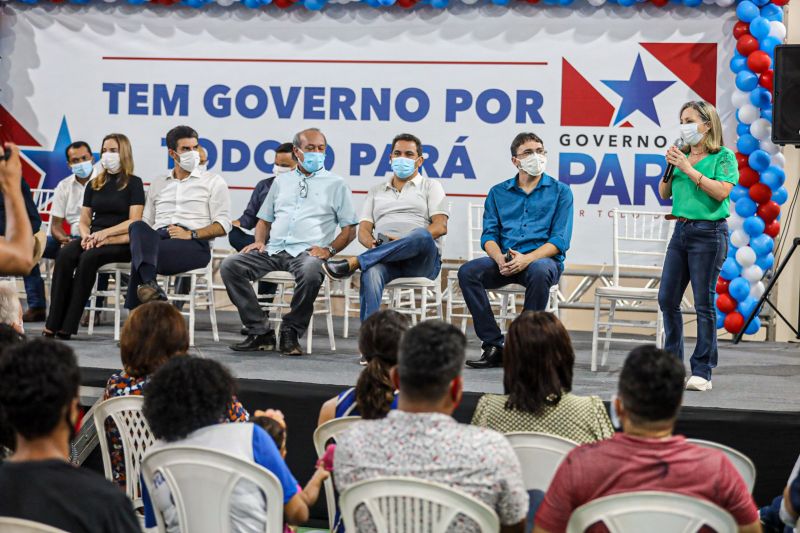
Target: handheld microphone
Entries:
(679, 143)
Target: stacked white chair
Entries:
(324, 433)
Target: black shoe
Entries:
(338, 269)
(150, 291)
(255, 343)
(63, 335)
(492, 357)
(289, 343)
(244, 331)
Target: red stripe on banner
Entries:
(345, 61)
(453, 195)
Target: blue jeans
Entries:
(479, 275)
(695, 253)
(414, 255)
(34, 284)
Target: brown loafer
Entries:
(34, 314)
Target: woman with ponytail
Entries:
(373, 396)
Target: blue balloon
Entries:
(565, 2)
(766, 113)
(766, 261)
(738, 192)
(692, 3)
(252, 4)
(746, 207)
(771, 12)
(747, 144)
(759, 160)
(780, 195)
(768, 44)
(746, 81)
(730, 269)
(314, 5)
(739, 289)
(760, 97)
(747, 11)
(732, 251)
(753, 226)
(759, 27)
(762, 244)
(720, 319)
(742, 129)
(753, 327)
(439, 4)
(746, 306)
(773, 177)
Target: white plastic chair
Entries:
(18, 525)
(639, 241)
(275, 307)
(201, 482)
(126, 413)
(201, 294)
(218, 255)
(743, 464)
(115, 270)
(401, 504)
(539, 455)
(651, 511)
(327, 431)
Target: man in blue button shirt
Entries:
(296, 232)
(527, 227)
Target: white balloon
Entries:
(597, 3)
(748, 113)
(769, 147)
(725, 3)
(778, 160)
(740, 98)
(761, 129)
(739, 238)
(753, 273)
(745, 256)
(777, 29)
(757, 290)
(735, 221)
(226, 3)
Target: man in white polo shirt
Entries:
(401, 226)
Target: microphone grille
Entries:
(679, 143)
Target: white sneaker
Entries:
(699, 384)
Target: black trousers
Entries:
(73, 279)
(153, 252)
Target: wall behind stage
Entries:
(602, 87)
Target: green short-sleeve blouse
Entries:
(690, 202)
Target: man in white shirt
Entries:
(184, 211)
(409, 215)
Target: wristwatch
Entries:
(195, 235)
(331, 250)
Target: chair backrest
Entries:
(327, 431)
(475, 229)
(401, 504)
(201, 482)
(135, 436)
(43, 198)
(18, 525)
(743, 464)
(640, 240)
(539, 454)
(651, 511)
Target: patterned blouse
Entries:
(123, 384)
(582, 419)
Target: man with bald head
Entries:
(296, 232)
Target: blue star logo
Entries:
(637, 93)
(52, 163)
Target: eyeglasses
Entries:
(528, 153)
(303, 188)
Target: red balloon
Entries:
(780, 2)
(283, 4)
(760, 193)
(748, 177)
(407, 3)
(740, 28)
(741, 160)
(766, 78)
(660, 3)
(734, 322)
(759, 61)
(773, 228)
(722, 286)
(768, 212)
(726, 304)
(746, 44)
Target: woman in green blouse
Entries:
(705, 173)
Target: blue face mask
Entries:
(313, 161)
(403, 167)
(83, 169)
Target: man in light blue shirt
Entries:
(527, 227)
(296, 232)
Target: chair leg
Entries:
(212, 309)
(423, 304)
(347, 286)
(117, 302)
(92, 305)
(309, 334)
(437, 292)
(659, 329)
(504, 303)
(449, 304)
(192, 289)
(595, 332)
(329, 315)
(607, 343)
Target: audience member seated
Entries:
(374, 394)
(185, 402)
(10, 308)
(8, 337)
(538, 360)
(39, 383)
(154, 333)
(781, 515)
(646, 456)
(422, 440)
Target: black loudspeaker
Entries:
(786, 99)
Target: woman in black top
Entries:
(113, 199)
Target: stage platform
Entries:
(753, 407)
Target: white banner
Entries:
(602, 87)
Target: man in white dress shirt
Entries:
(184, 211)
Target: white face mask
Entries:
(189, 160)
(690, 134)
(278, 170)
(110, 162)
(533, 165)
